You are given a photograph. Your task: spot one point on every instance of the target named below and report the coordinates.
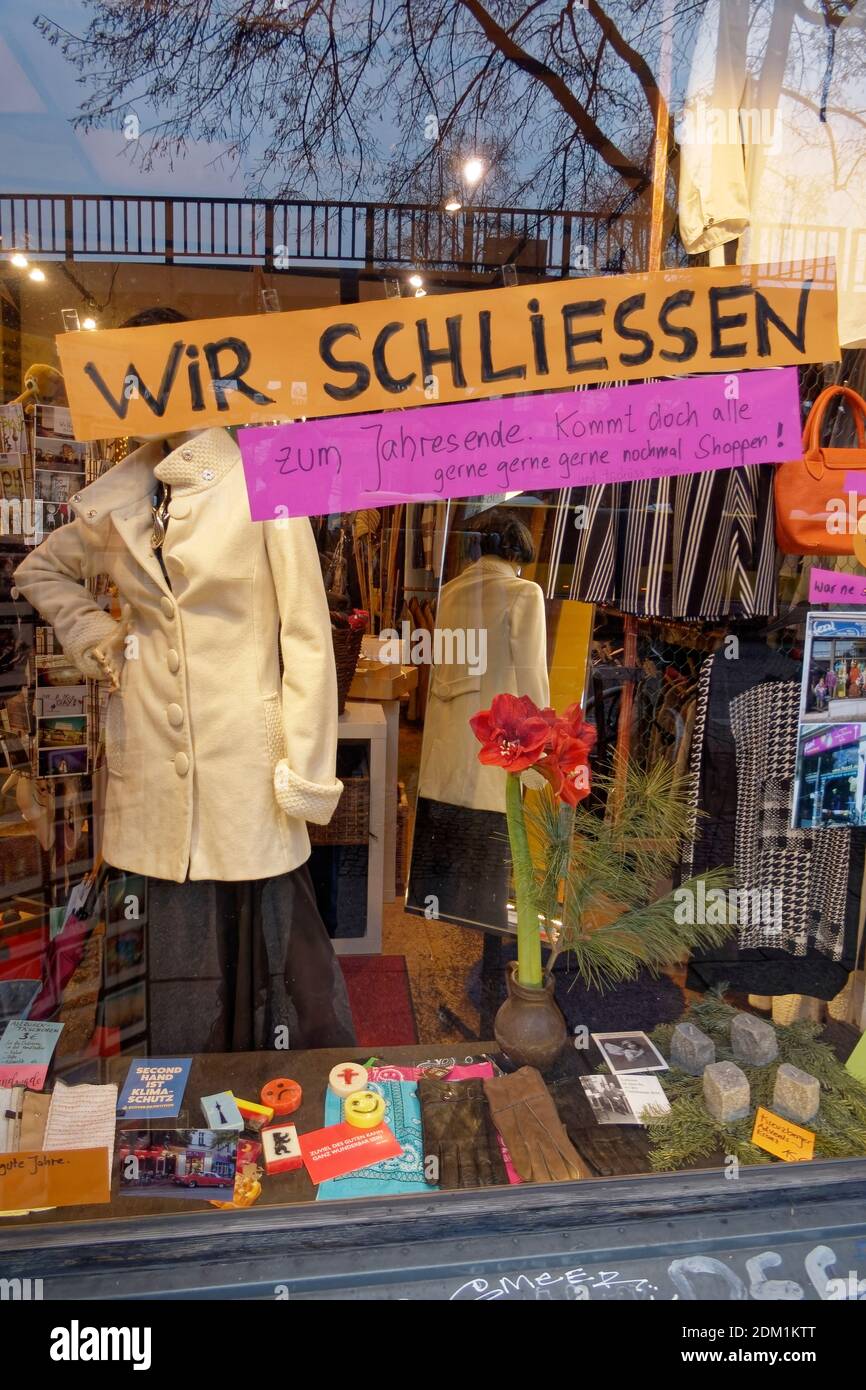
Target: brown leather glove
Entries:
(459, 1134)
(525, 1115)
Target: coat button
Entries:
(167, 607)
(181, 764)
(179, 510)
(173, 661)
(186, 455)
(174, 715)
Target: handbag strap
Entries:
(815, 422)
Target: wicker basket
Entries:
(347, 648)
(350, 823)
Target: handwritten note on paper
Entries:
(829, 586)
(25, 1052)
(82, 1117)
(781, 1137)
(523, 444)
(70, 1178)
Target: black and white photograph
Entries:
(608, 1100)
(624, 1052)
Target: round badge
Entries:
(347, 1077)
(364, 1109)
(282, 1095)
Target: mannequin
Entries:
(460, 852)
(215, 760)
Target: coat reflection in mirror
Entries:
(490, 640)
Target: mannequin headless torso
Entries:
(214, 761)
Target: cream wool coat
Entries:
(214, 763)
(488, 595)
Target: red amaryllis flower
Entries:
(566, 764)
(512, 732)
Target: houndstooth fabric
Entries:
(702, 701)
(809, 868)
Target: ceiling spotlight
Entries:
(473, 171)
(453, 205)
(420, 293)
(19, 259)
(415, 281)
(88, 323)
(37, 274)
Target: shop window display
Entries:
(430, 764)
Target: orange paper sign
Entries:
(55, 1178)
(782, 1138)
(388, 354)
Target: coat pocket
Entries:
(115, 734)
(452, 687)
(274, 732)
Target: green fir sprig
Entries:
(689, 1132)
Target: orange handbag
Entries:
(815, 515)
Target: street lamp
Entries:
(473, 171)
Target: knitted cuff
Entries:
(309, 801)
(89, 632)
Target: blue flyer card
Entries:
(153, 1089)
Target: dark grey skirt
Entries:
(235, 967)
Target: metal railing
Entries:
(281, 234)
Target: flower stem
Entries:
(528, 933)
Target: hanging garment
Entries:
(819, 914)
(228, 964)
(701, 546)
(772, 140)
(487, 600)
(808, 868)
(461, 862)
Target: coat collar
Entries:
(198, 464)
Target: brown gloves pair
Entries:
(526, 1117)
(460, 1137)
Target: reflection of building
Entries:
(831, 771)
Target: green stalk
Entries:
(528, 932)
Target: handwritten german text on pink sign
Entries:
(522, 444)
(829, 586)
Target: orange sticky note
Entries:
(782, 1138)
(53, 1178)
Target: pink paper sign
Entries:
(828, 586)
(522, 444)
(23, 1074)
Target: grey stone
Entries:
(753, 1041)
(796, 1094)
(691, 1049)
(726, 1092)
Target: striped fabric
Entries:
(697, 546)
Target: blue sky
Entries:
(41, 153)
